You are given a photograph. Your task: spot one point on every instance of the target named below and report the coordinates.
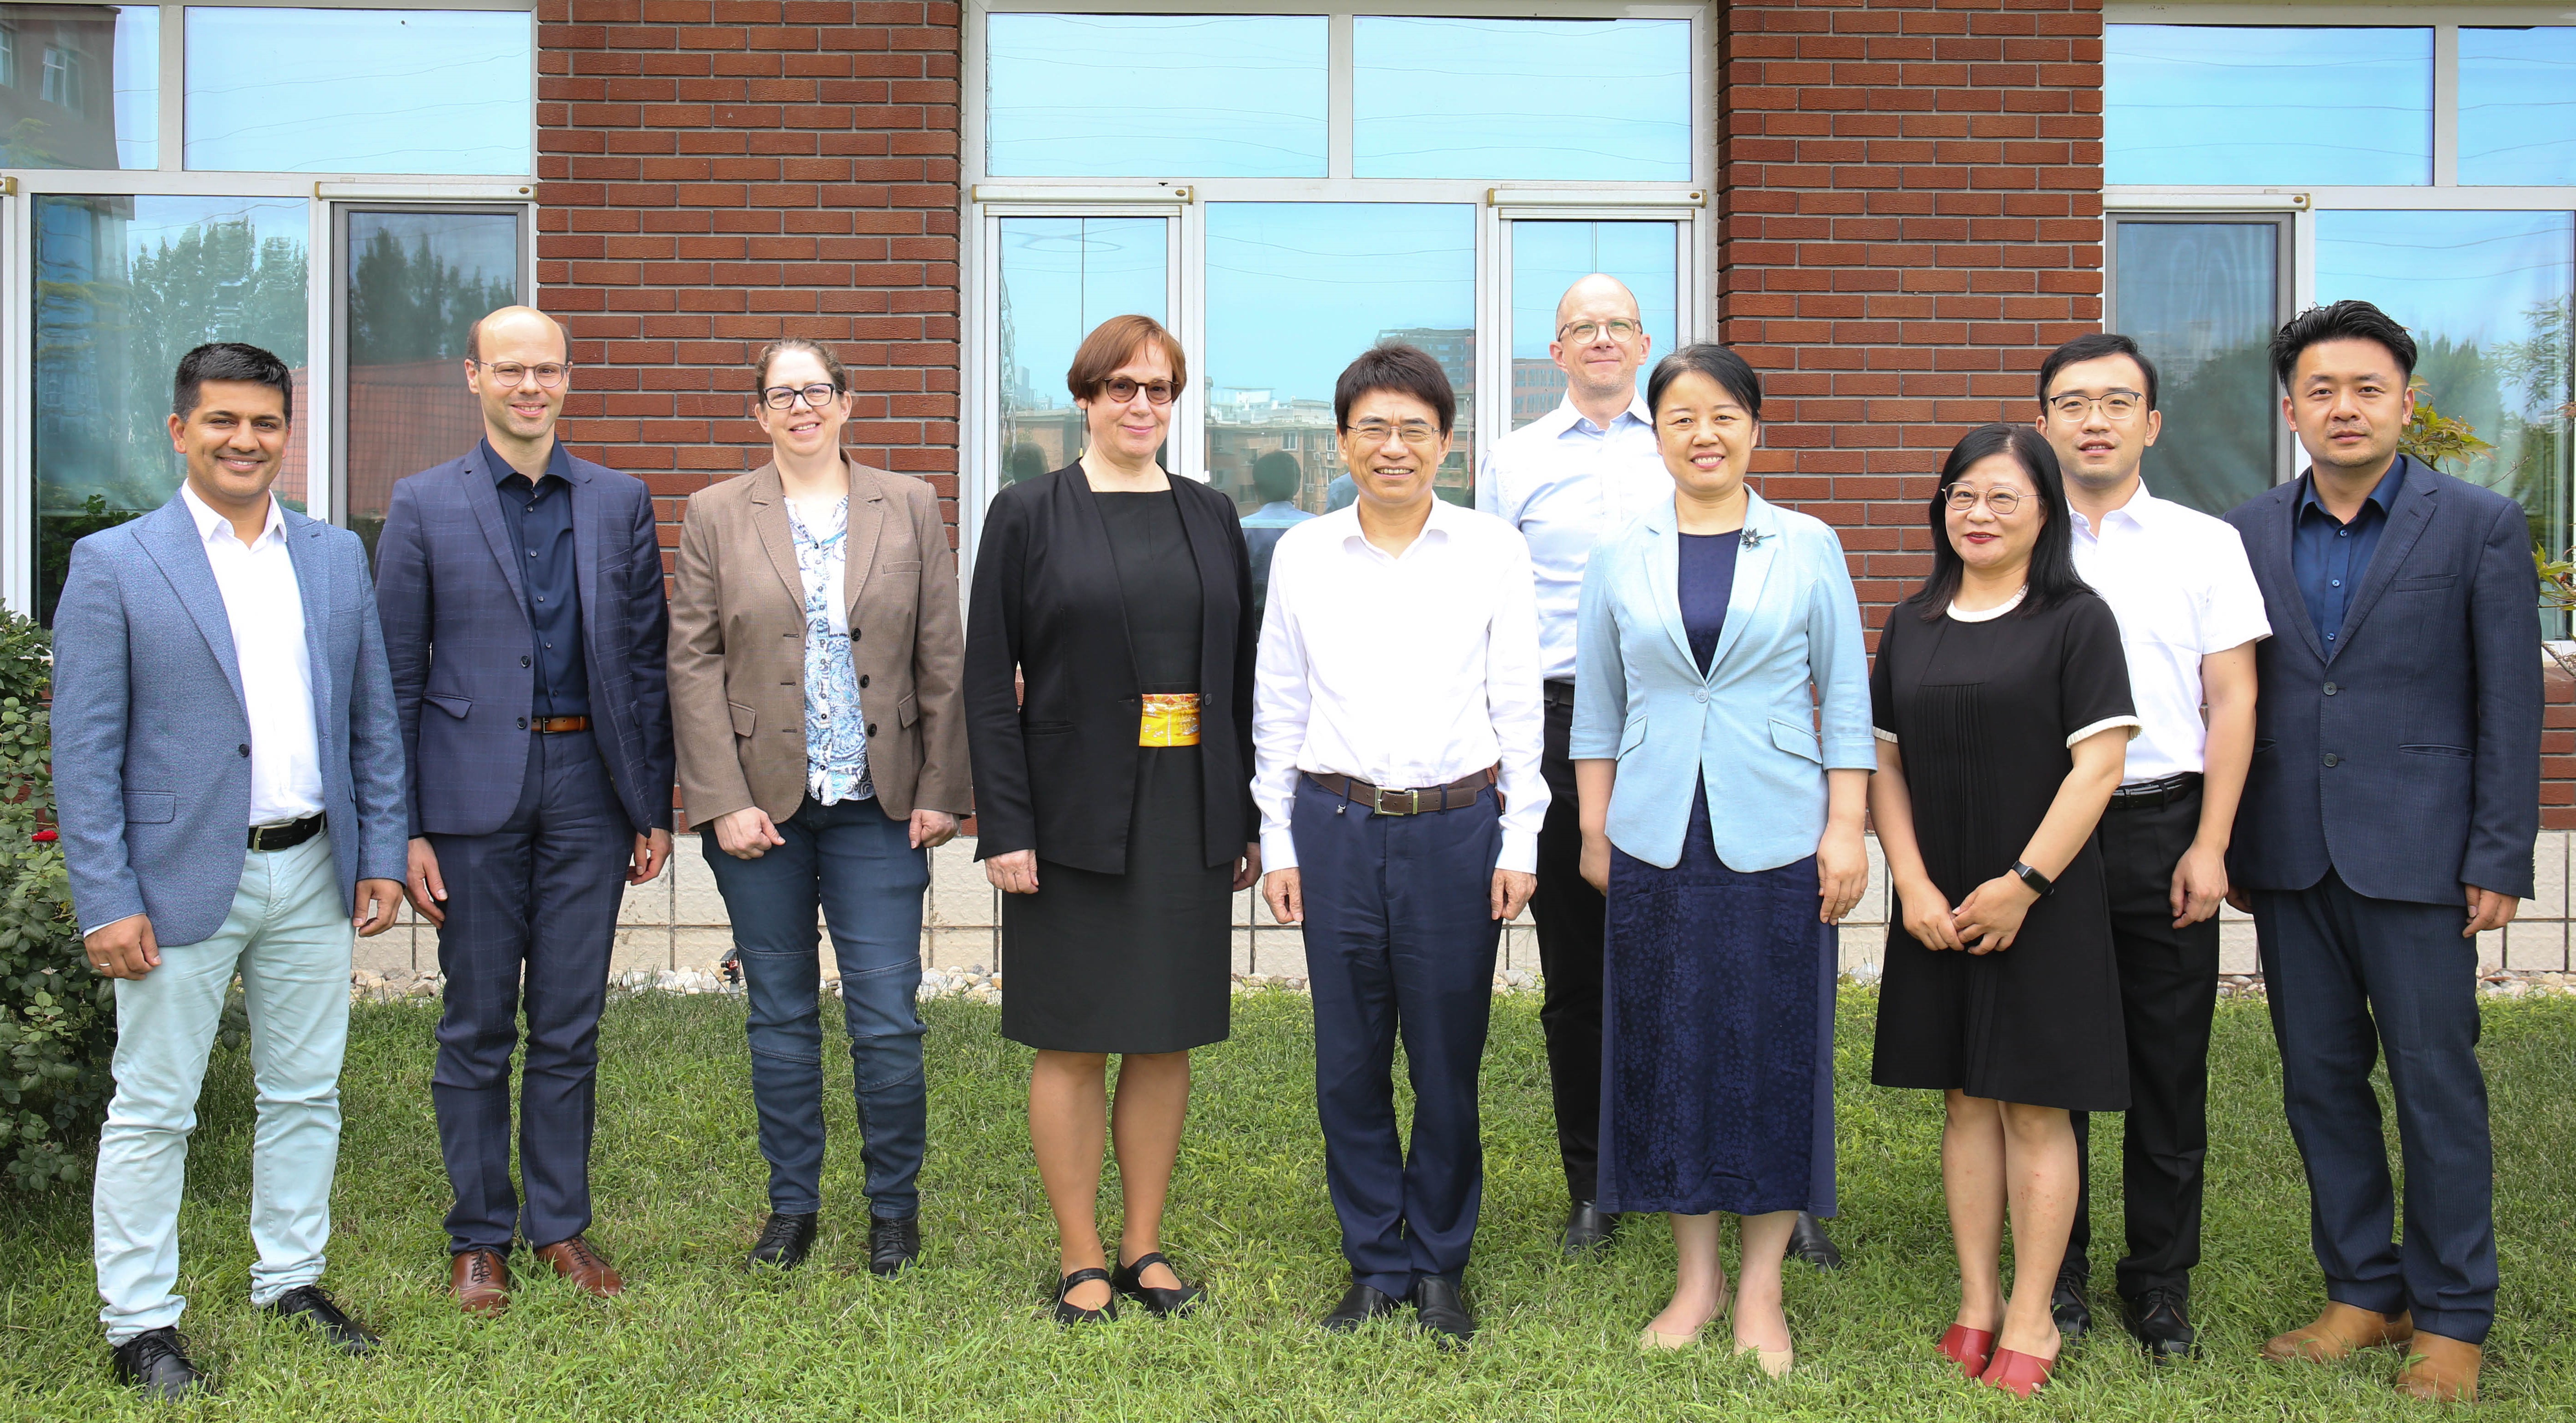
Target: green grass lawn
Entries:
(680, 1194)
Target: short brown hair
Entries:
(785, 344)
(1115, 342)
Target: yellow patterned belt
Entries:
(1171, 719)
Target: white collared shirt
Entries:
(265, 606)
(1406, 672)
(2182, 588)
(1567, 485)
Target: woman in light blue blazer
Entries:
(1726, 833)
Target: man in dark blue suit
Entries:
(2387, 821)
(521, 591)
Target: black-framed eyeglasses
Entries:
(2115, 404)
(1118, 390)
(816, 396)
(511, 374)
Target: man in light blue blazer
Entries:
(228, 776)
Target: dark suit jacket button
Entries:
(2330, 689)
(872, 728)
(2331, 758)
(863, 679)
(245, 750)
(523, 659)
(854, 634)
(523, 723)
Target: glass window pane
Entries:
(2518, 105)
(124, 287)
(2202, 300)
(1548, 257)
(1580, 100)
(416, 282)
(1062, 276)
(1296, 291)
(2486, 296)
(80, 86)
(1154, 96)
(2256, 104)
(375, 91)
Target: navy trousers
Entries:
(531, 916)
(1400, 940)
(2349, 978)
(858, 866)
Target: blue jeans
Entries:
(858, 866)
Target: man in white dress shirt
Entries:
(1396, 733)
(229, 775)
(1568, 481)
(2190, 613)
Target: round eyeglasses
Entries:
(1962, 499)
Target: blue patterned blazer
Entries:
(152, 795)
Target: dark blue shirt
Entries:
(2328, 558)
(1707, 581)
(539, 518)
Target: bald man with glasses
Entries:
(1570, 480)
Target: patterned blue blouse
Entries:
(836, 732)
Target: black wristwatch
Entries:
(2040, 884)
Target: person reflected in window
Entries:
(1027, 462)
(1114, 810)
(1276, 478)
(2001, 704)
(2388, 821)
(1398, 735)
(1720, 946)
(815, 668)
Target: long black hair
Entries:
(2052, 559)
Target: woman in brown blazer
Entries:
(815, 650)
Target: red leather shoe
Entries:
(1968, 1348)
(2018, 1374)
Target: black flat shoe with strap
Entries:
(1159, 1302)
(1072, 1314)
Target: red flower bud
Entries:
(44, 837)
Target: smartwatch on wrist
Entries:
(2040, 884)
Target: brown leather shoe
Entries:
(2338, 1332)
(589, 1271)
(480, 1280)
(2440, 1370)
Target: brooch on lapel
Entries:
(1753, 539)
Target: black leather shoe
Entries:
(314, 1305)
(2069, 1308)
(1808, 1242)
(156, 1363)
(1587, 1229)
(1159, 1302)
(2160, 1320)
(1360, 1304)
(893, 1242)
(786, 1238)
(1072, 1314)
(1440, 1312)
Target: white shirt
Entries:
(1567, 484)
(2179, 582)
(1405, 672)
(265, 606)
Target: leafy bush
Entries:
(57, 1018)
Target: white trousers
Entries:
(289, 939)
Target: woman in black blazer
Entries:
(1113, 800)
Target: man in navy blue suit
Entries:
(2388, 819)
(521, 591)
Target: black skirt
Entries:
(1134, 962)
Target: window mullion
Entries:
(171, 124)
(1340, 105)
(2446, 105)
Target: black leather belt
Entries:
(1457, 795)
(2147, 795)
(1560, 694)
(287, 836)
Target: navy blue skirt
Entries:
(1718, 1036)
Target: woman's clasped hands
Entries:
(1983, 923)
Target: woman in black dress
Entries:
(2001, 702)
(1113, 799)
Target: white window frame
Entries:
(317, 423)
(1184, 199)
(2304, 201)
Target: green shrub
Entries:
(57, 1018)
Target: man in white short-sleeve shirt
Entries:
(2190, 614)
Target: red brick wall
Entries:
(1910, 200)
(713, 174)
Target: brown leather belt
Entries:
(1457, 795)
(561, 723)
(287, 836)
